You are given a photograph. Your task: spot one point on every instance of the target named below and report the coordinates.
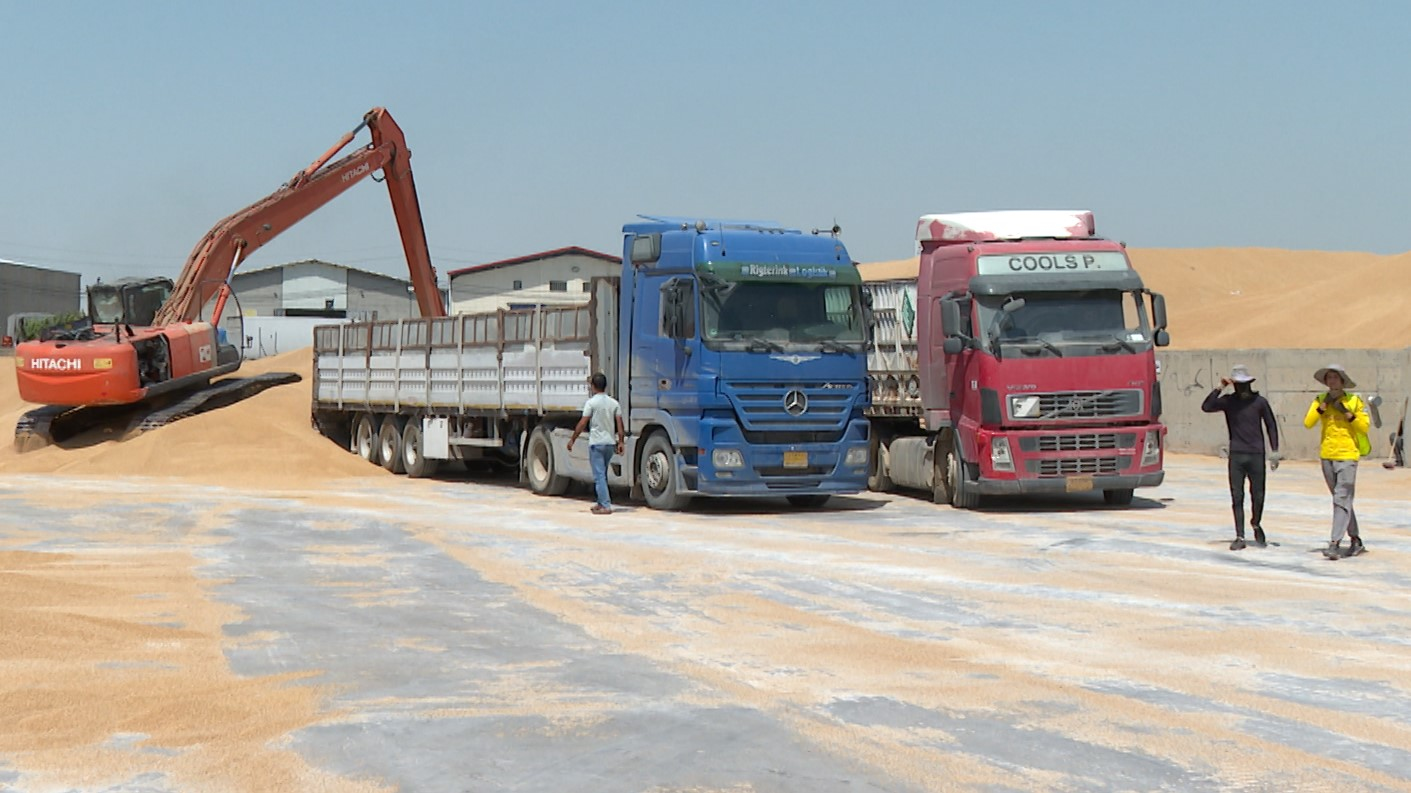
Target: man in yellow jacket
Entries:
(1343, 417)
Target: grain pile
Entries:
(264, 441)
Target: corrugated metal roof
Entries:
(324, 264)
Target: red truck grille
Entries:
(1078, 442)
(1078, 466)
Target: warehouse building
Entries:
(321, 289)
(557, 277)
(34, 291)
(279, 306)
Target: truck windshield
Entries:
(780, 315)
(1094, 322)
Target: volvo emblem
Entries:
(795, 402)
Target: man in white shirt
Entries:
(601, 415)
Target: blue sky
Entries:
(133, 127)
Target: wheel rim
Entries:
(658, 471)
(364, 439)
(953, 475)
(410, 453)
(539, 463)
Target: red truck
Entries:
(1018, 358)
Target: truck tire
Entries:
(414, 462)
(1120, 497)
(810, 501)
(389, 445)
(878, 480)
(658, 474)
(539, 465)
(365, 437)
(961, 496)
(940, 470)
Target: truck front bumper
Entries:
(1071, 484)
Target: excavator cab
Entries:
(128, 301)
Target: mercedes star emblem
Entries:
(795, 403)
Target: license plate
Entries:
(795, 459)
(1079, 484)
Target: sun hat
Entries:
(1322, 374)
(1240, 374)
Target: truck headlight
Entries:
(727, 458)
(856, 457)
(1024, 407)
(1151, 448)
(1000, 458)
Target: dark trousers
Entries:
(1244, 465)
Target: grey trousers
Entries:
(1341, 476)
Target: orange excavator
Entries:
(148, 352)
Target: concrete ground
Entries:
(454, 635)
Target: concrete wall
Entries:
(1285, 378)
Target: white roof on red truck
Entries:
(1006, 225)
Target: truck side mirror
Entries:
(950, 319)
(646, 248)
(953, 345)
(1161, 338)
(1158, 310)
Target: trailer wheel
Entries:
(811, 501)
(539, 465)
(413, 461)
(365, 437)
(1120, 497)
(389, 445)
(658, 474)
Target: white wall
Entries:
(309, 285)
(266, 336)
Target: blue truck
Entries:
(737, 350)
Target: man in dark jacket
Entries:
(1248, 416)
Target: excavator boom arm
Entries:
(233, 239)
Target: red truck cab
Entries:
(1035, 368)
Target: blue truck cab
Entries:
(743, 352)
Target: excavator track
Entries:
(55, 424)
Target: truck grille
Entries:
(1088, 404)
(786, 438)
(761, 406)
(1078, 466)
(1079, 442)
